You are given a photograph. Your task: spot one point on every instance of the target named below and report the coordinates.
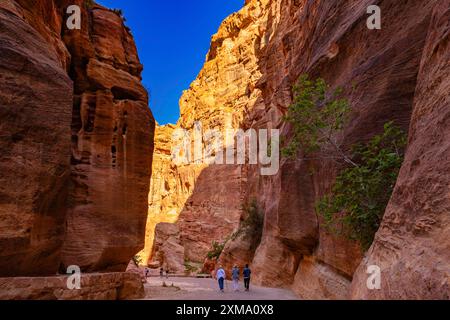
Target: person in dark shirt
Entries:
(246, 273)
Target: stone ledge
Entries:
(95, 286)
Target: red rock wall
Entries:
(77, 136)
(386, 74)
(35, 117)
(378, 70)
(205, 200)
(96, 286)
(112, 134)
(412, 245)
(269, 44)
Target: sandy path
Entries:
(208, 289)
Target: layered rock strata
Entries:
(96, 286)
(196, 196)
(35, 112)
(77, 136)
(412, 245)
(387, 75)
(112, 132)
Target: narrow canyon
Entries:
(77, 136)
(88, 178)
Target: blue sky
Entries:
(173, 37)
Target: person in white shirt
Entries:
(220, 276)
(235, 273)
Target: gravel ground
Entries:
(208, 289)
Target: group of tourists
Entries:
(235, 276)
(162, 273)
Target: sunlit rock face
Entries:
(112, 133)
(387, 75)
(200, 197)
(166, 194)
(77, 136)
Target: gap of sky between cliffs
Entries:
(173, 38)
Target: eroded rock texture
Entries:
(412, 245)
(76, 140)
(382, 66)
(254, 59)
(35, 117)
(168, 250)
(96, 286)
(167, 193)
(112, 132)
(199, 197)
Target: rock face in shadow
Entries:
(196, 196)
(96, 286)
(412, 245)
(168, 251)
(35, 117)
(112, 133)
(387, 75)
(378, 71)
(320, 281)
(77, 140)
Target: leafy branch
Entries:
(362, 190)
(359, 197)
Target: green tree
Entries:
(119, 12)
(358, 200)
(89, 3)
(216, 250)
(251, 228)
(362, 190)
(137, 260)
(317, 116)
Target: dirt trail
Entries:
(207, 289)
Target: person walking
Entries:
(247, 272)
(235, 275)
(220, 276)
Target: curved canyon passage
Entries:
(88, 178)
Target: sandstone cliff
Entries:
(112, 132)
(35, 113)
(412, 245)
(330, 40)
(77, 140)
(198, 197)
(388, 75)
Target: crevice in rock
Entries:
(123, 94)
